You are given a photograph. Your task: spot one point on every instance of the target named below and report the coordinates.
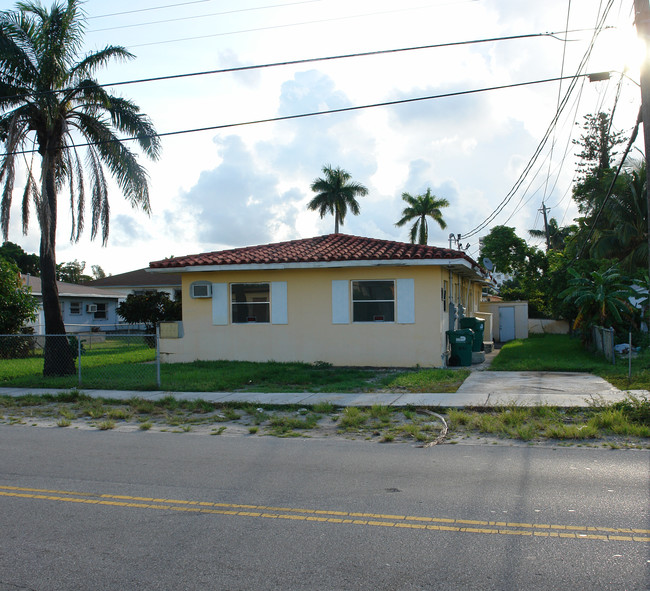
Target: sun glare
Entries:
(625, 52)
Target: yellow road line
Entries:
(339, 517)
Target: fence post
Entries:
(629, 359)
(79, 358)
(158, 355)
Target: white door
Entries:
(506, 323)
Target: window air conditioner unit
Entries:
(201, 290)
(91, 308)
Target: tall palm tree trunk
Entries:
(58, 358)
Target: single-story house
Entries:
(341, 299)
(139, 281)
(83, 307)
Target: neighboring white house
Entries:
(84, 308)
(139, 281)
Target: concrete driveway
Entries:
(532, 387)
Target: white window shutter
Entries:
(220, 303)
(340, 302)
(279, 308)
(406, 301)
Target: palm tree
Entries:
(556, 236)
(600, 297)
(335, 193)
(625, 232)
(419, 207)
(50, 101)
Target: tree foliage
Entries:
(602, 297)
(29, 264)
(72, 272)
(598, 144)
(505, 249)
(622, 233)
(418, 208)
(149, 309)
(17, 304)
(557, 235)
(335, 193)
(50, 101)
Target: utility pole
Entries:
(548, 238)
(642, 21)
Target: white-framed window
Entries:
(101, 312)
(443, 295)
(201, 289)
(75, 308)
(250, 302)
(373, 301)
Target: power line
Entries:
(147, 9)
(538, 150)
(293, 63)
(317, 113)
(186, 18)
(611, 186)
(287, 25)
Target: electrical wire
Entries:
(290, 63)
(535, 156)
(317, 113)
(201, 16)
(147, 9)
(611, 186)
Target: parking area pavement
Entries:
(540, 387)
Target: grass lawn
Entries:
(563, 353)
(118, 365)
(128, 365)
(231, 376)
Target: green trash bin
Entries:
(461, 347)
(478, 326)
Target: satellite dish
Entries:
(488, 264)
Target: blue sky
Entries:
(250, 184)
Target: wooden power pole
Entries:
(642, 21)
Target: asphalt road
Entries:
(105, 510)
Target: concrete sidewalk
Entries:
(481, 388)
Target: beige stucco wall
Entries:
(547, 326)
(521, 317)
(310, 334)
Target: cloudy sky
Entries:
(249, 184)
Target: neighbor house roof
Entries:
(140, 278)
(70, 289)
(319, 251)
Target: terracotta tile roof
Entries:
(328, 248)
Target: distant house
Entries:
(83, 307)
(337, 298)
(139, 281)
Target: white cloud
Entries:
(250, 184)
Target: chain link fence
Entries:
(90, 360)
(604, 342)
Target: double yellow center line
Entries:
(576, 532)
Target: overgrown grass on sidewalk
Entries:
(623, 424)
(563, 353)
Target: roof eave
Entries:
(454, 264)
